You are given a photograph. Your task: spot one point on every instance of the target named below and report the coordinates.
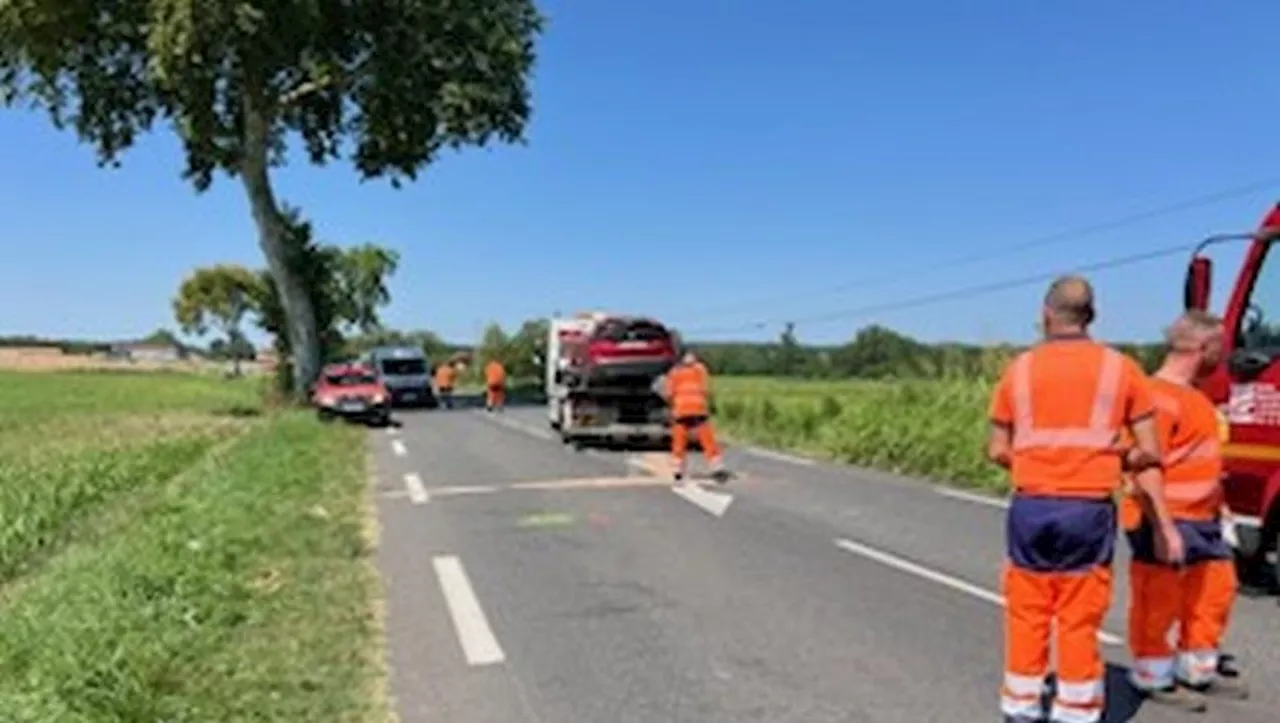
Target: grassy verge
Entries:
(168, 553)
(933, 429)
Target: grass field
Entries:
(172, 551)
(934, 429)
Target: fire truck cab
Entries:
(1246, 388)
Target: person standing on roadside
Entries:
(446, 376)
(1198, 595)
(495, 384)
(1056, 417)
(687, 389)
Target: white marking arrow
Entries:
(713, 503)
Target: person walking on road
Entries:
(495, 384)
(1056, 416)
(446, 376)
(1198, 595)
(687, 389)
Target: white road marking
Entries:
(417, 491)
(478, 642)
(517, 426)
(465, 490)
(779, 456)
(975, 497)
(954, 583)
(637, 463)
(398, 448)
(713, 503)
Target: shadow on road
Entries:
(1123, 700)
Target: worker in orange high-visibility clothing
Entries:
(446, 377)
(1198, 595)
(1056, 415)
(495, 385)
(687, 389)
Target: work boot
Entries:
(721, 475)
(1226, 684)
(1177, 696)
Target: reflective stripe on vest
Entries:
(1098, 435)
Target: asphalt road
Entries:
(529, 582)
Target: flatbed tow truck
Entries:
(602, 377)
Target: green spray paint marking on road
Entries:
(542, 520)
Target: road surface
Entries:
(529, 582)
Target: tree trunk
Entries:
(299, 312)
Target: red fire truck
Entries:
(1246, 387)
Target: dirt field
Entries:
(43, 359)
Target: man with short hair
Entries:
(1197, 596)
(1056, 416)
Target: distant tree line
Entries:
(875, 352)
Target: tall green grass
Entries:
(929, 428)
(171, 550)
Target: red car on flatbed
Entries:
(351, 391)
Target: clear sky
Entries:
(692, 155)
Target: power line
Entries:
(883, 278)
(955, 294)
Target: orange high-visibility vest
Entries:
(494, 373)
(445, 376)
(687, 386)
(1066, 402)
(1190, 436)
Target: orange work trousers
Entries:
(681, 429)
(1058, 571)
(1196, 598)
(495, 396)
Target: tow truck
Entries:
(1246, 388)
(602, 377)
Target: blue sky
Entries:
(688, 156)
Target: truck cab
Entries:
(1246, 387)
(405, 371)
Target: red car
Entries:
(351, 391)
(619, 351)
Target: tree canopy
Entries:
(218, 296)
(386, 84)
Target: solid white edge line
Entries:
(713, 503)
(941, 578)
(780, 456)
(417, 491)
(479, 645)
(398, 448)
(975, 497)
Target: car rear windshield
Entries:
(350, 380)
(404, 367)
(619, 331)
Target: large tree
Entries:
(395, 80)
(217, 296)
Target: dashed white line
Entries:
(713, 503)
(417, 491)
(398, 448)
(975, 497)
(479, 645)
(779, 456)
(941, 578)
